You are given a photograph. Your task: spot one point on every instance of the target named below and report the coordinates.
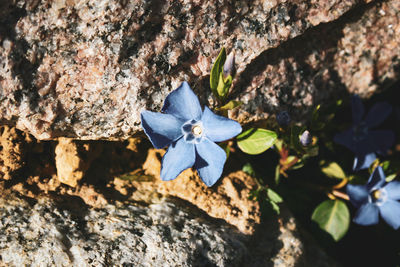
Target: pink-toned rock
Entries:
(85, 69)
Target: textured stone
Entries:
(357, 53)
(163, 234)
(73, 159)
(66, 232)
(100, 222)
(227, 200)
(68, 162)
(12, 151)
(85, 69)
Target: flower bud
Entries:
(305, 138)
(229, 65)
(283, 118)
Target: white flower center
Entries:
(377, 194)
(197, 130)
(193, 131)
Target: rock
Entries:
(66, 232)
(12, 151)
(73, 160)
(85, 69)
(163, 234)
(135, 218)
(357, 53)
(68, 162)
(228, 200)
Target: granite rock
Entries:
(163, 234)
(66, 232)
(85, 69)
(13, 147)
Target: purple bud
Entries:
(229, 65)
(283, 118)
(305, 138)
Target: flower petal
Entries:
(358, 194)
(183, 103)
(377, 179)
(390, 212)
(218, 128)
(210, 160)
(393, 190)
(367, 214)
(364, 146)
(357, 109)
(179, 156)
(377, 114)
(363, 161)
(162, 129)
(382, 140)
(346, 139)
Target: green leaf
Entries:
(226, 148)
(390, 177)
(316, 124)
(279, 144)
(315, 114)
(223, 85)
(385, 165)
(275, 207)
(247, 168)
(231, 105)
(299, 164)
(332, 216)
(277, 174)
(217, 70)
(312, 151)
(294, 138)
(254, 194)
(333, 170)
(256, 140)
(273, 196)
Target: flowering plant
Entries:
(363, 141)
(190, 134)
(374, 198)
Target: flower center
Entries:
(197, 130)
(377, 194)
(193, 131)
(360, 132)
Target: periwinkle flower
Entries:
(363, 141)
(190, 134)
(374, 198)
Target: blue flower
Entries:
(363, 141)
(374, 198)
(190, 134)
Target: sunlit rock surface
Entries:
(85, 69)
(63, 231)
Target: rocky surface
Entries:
(66, 232)
(113, 215)
(164, 234)
(85, 69)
